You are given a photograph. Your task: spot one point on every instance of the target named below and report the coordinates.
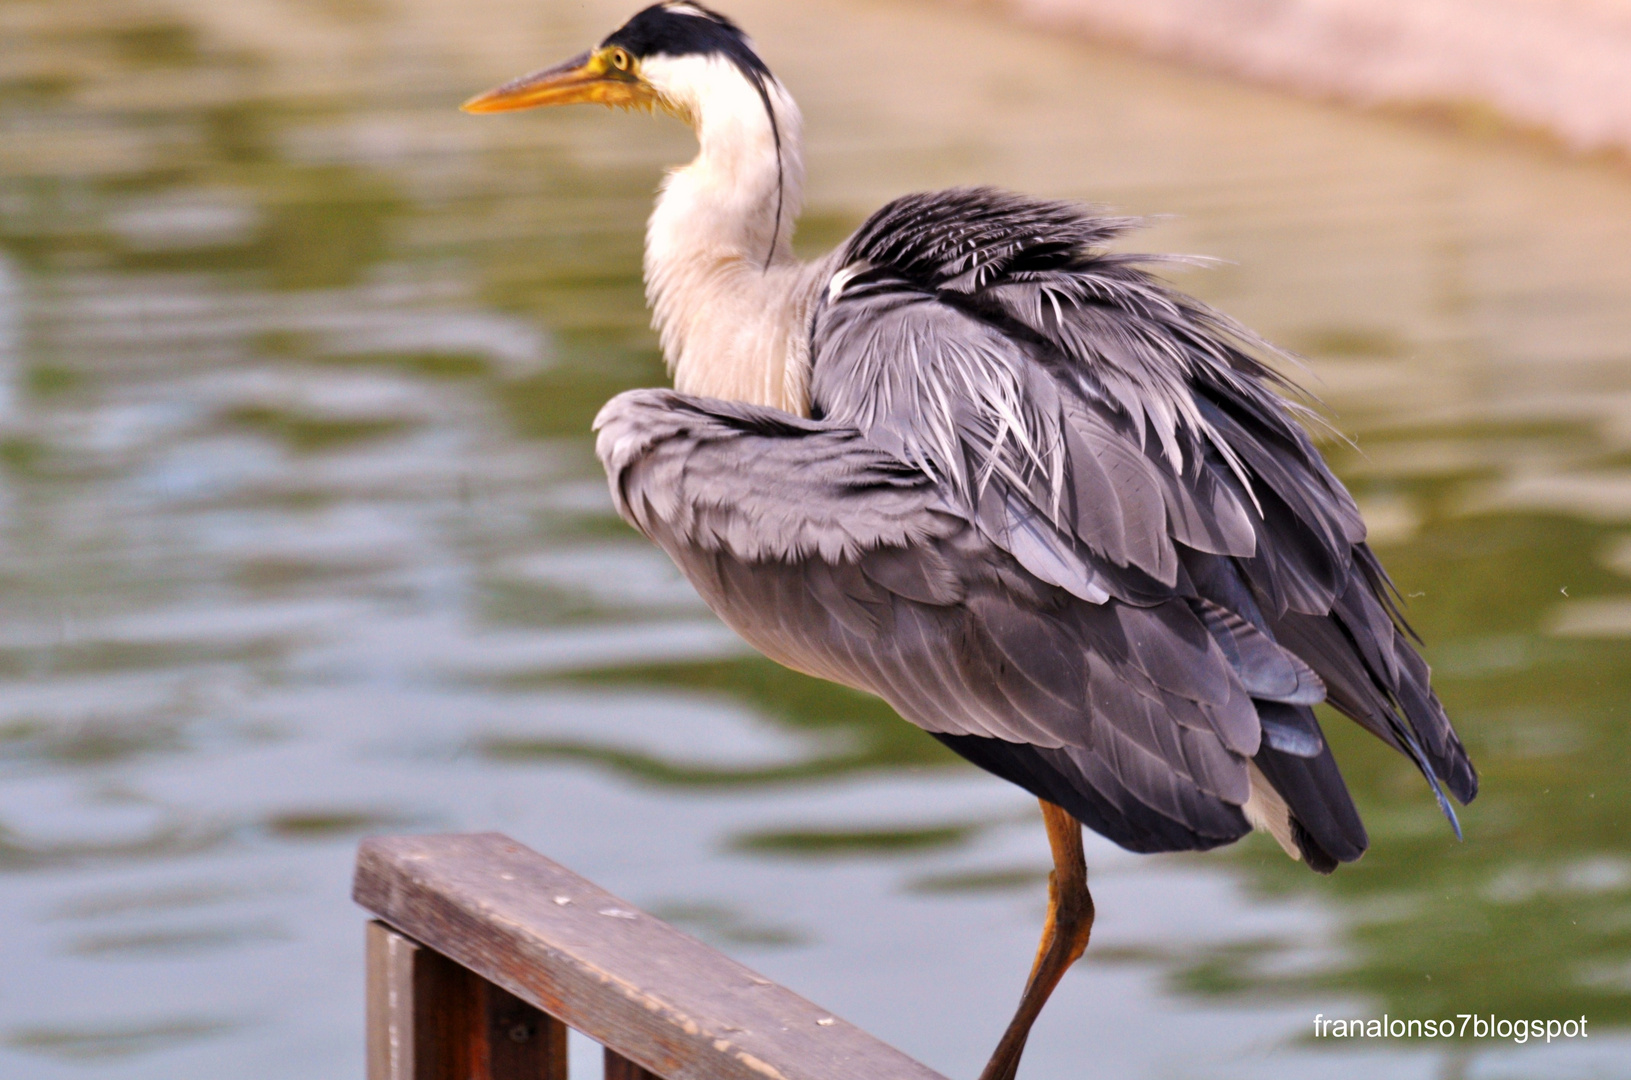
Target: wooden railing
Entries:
(485, 952)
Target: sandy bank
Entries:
(1562, 66)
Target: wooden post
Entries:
(430, 1019)
(619, 1067)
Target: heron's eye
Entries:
(620, 59)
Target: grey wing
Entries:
(1121, 441)
(834, 556)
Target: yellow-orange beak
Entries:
(589, 78)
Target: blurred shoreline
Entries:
(1561, 68)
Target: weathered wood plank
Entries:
(431, 1019)
(661, 999)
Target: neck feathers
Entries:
(720, 272)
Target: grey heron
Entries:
(1057, 514)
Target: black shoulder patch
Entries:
(964, 238)
(688, 29)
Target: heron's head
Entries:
(677, 56)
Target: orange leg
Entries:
(1064, 937)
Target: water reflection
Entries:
(301, 537)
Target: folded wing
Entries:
(1057, 516)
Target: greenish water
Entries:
(302, 538)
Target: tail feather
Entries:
(1325, 823)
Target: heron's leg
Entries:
(1064, 937)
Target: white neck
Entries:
(720, 274)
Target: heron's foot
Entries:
(1064, 938)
